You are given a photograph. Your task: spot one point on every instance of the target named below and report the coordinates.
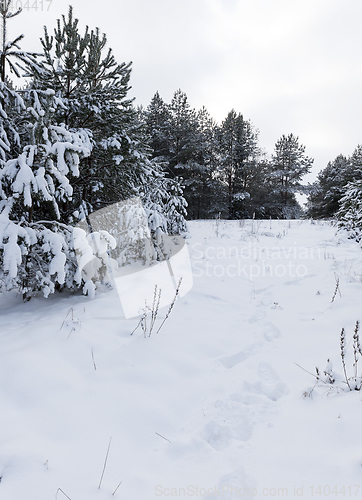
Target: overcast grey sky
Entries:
(290, 66)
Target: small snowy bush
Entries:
(35, 257)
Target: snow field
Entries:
(210, 407)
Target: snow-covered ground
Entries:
(210, 407)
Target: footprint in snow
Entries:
(236, 484)
(266, 299)
(218, 435)
(247, 399)
(257, 291)
(271, 332)
(239, 357)
(257, 316)
(269, 384)
(234, 359)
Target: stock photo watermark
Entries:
(112, 243)
(232, 491)
(30, 5)
(254, 252)
(249, 271)
(115, 245)
(251, 261)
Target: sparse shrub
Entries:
(147, 324)
(334, 382)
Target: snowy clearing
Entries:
(211, 406)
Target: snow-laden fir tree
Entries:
(157, 118)
(165, 207)
(94, 87)
(238, 152)
(327, 190)
(202, 188)
(331, 183)
(184, 141)
(83, 72)
(288, 166)
(34, 187)
(11, 127)
(11, 103)
(39, 162)
(349, 214)
(192, 151)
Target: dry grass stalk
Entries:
(343, 355)
(61, 491)
(163, 437)
(75, 322)
(105, 463)
(147, 330)
(117, 488)
(155, 307)
(171, 305)
(94, 363)
(337, 289)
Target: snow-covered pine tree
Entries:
(157, 118)
(32, 254)
(238, 152)
(175, 208)
(10, 50)
(165, 207)
(94, 88)
(184, 141)
(81, 145)
(38, 161)
(187, 153)
(207, 199)
(183, 131)
(11, 108)
(331, 183)
(11, 103)
(327, 190)
(34, 186)
(349, 214)
(288, 166)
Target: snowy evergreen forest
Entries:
(73, 142)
